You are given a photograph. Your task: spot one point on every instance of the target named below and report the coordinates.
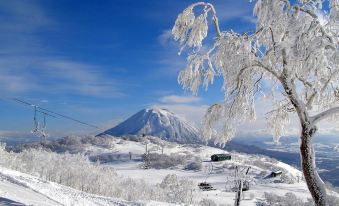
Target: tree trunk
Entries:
(314, 183)
(238, 194)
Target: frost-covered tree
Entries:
(76, 171)
(176, 190)
(336, 147)
(291, 58)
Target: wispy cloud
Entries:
(165, 37)
(20, 24)
(188, 107)
(176, 99)
(28, 65)
(80, 78)
(192, 113)
(23, 16)
(55, 75)
(227, 10)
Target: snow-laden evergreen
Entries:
(157, 122)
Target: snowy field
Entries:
(221, 173)
(30, 190)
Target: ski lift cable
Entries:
(36, 108)
(46, 114)
(49, 112)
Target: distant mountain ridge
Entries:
(157, 122)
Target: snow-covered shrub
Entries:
(263, 174)
(134, 138)
(289, 199)
(176, 190)
(270, 164)
(102, 141)
(163, 161)
(70, 140)
(231, 166)
(195, 165)
(106, 157)
(76, 171)
(71, 144)
(332, 200)
(289, 179)
(207, 202)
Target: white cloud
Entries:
(80, 78)
(55, 75)
(175, 99)
(28, 65)
(192, 113)
(23, 16)
(259, 126)
(188, 107)
(165, 37)
(231, 10)
(5, 133)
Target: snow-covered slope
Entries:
(220, 177)
(125, 156)
(157, 122)
(17, 187)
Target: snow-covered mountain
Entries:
(157, 122)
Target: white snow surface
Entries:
(157, 122)
(222, 171)
(30, 190)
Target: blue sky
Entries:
(98, 61)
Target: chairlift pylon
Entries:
(43, 129)
(36, 123)
(40, 130)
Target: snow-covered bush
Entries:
(70, 140)
(163, 161)
(207, 202)
(106, 142)
(289, 199)
(134, 138)
(269, 164)
(176, 190)
(107, 157)
(77, 171)
(195, 165)
(71, 144)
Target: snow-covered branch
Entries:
(214, 15)
(190, 29)
(325, 114)
(294, 45)
(294, 48)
